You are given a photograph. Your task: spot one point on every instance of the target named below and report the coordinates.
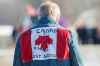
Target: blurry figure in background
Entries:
(31, 16)
(86, 27)
(29, 20)
(47, 43)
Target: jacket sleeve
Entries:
(74, 50)
(17, 61)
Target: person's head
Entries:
(50, 9)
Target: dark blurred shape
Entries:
(87, 27)
(96, 38)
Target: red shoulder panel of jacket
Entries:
(62, 44)
(25, 45)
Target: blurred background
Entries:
(82, 15)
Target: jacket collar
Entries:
(46, 20)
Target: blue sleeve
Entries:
(74, 50)
(17, 61)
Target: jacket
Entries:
(66, 46)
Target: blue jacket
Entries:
(74, 60)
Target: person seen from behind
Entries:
(47, 43)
